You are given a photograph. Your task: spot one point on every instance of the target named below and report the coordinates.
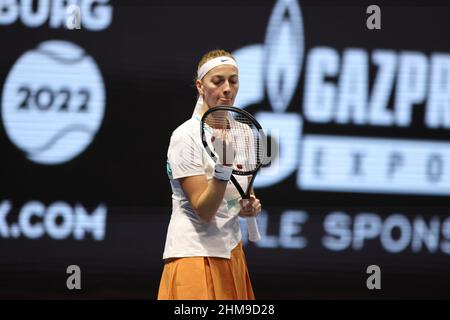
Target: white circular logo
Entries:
(53, 102)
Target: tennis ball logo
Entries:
(53, 102)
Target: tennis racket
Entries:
(249, 143)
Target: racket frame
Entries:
(244, 195)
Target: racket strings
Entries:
(245, 137)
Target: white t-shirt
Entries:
(187, 234)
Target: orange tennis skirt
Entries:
(207, 278)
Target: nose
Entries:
(226, 88)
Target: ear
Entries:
(199, 85)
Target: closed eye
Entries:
(217, 80)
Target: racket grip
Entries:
(253, 231)
(252, 226)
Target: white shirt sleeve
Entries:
(185, 156)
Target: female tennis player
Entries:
(203, 254)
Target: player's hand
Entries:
(250, 207)
(223, 147)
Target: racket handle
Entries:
(252, 226)
(253, 231)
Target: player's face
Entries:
(219, 86)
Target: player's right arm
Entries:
(205, 196)
(185, 158)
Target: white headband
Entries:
(214, 63)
